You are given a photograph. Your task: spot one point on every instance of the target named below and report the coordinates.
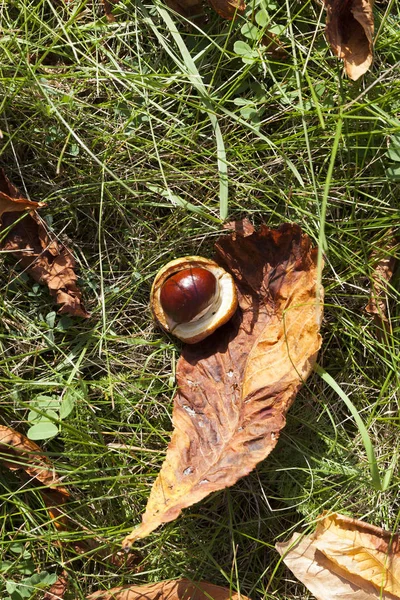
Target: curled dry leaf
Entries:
(181, 589)
(384, 263)
(235, 387)
(345, 558)
(45, 258)
(350, 29)
(18, 453)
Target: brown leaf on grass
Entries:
(236, 386)
(58, 589)
(108, 6)
(11, 200)
(350, 29)
(274, 46)
(345, 558)
(47, 260)
(181, 589)
(18, 453)
(384, 263)
(227, 9)
(186, 8)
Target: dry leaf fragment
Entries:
(349, 29)
(47, 260)
(18, 453)
(180, 589)
(227, 9)
(58, 589)
(235, 387)
(186, 8)
(384, 264)
(345, 558)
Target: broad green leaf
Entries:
(50, 319)
(42, 430)
(68, 402)
(393, 173)
(250, 31)
(242, 48)
(248, 112)
(241, 101)
(394, 153)
(42, 579)
(277, 29)
(262, 18)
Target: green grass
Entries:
(140, 135)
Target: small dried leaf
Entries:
(227, 9)
(274, 46)
(186, 8)
(384, 263)
(11, 200)
(345, 558)
(349, 29)
(45, 259)
(108, 6)
(17, 453)
(181, 589)
(235, 387)
(58, 589)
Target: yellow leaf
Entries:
(345, 559)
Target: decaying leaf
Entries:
(227, 9)
(18, 453)
(274, 46)
(58, 589)
(235, 387)
(193, 8)
(384, 262)
(186, 8)
(350, 29)
(18, 204)
(47, 260)
(345, 558)
(181, 589)
(108, 6)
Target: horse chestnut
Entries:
(188, 294)
(191, 297)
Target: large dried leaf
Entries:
(47, 260)
(349, 29)
(345, 558)
(181, 589)
(384, 263)
(235, 387)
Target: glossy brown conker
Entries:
(186, 294)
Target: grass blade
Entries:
(369, 449)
